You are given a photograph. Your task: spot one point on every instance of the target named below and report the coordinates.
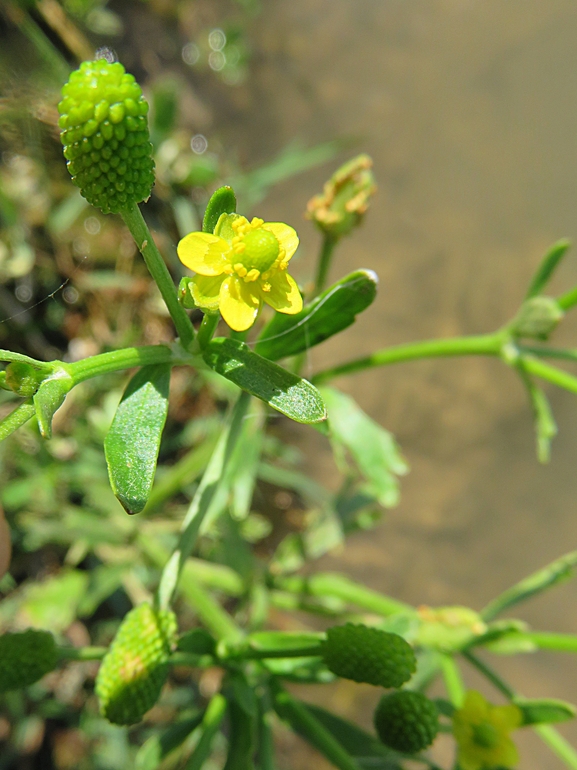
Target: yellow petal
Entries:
(238, 305)
(506, 718)
(205, 291)
(284, 294)
(506, 754)
(204, 253)
(285, 235)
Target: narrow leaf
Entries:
(133, 441)
(331, 312)
(152, 753)
(559, 570)
(16, 418)
(292, 396)
(548, 264)
(544, 421)
(372, 447)
(544, 710)
(223, 201)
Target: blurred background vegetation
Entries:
(469, 111)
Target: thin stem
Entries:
(82, 653)
(550, 641)
(17, 418)
(568, 300)
(117, 360)
(453, 681)
(558, 745)
(324, 263)
(482, 345)
(211, 720)
(489, 674)
(201, 502)
(207, 329)
(547, 372)
(304, 722)
(159, 271)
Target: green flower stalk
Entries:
(105, 135)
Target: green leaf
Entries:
(362, 746)
(544, 710)
(292, 396)
(223, 201)
(133, 441)
(372, 447)
(558, 571)
(16, 418)
(49, 398)
(331, 312)
(153, 752)
(548, 264)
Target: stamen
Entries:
(240, 269)
(252, 275)
(266, 286)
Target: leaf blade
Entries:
(133, 441)
(329, 313)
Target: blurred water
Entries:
(469, 110)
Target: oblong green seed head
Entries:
(105, 135)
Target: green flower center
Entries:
(261, 249)
(486, 735)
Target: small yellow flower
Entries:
(482, 733)
(240, 266)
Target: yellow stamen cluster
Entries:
(258, 251)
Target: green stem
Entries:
(201, 502)
(482, 345)
(558, 745)
(211, 721)
(17, 418)
(547, 372)
(324, 263)
(82, 653)
(489, 674)
(453, 681)
(303, 722)
(550, 641)
(214, 617)
(117, 360)
(207, 329)
(159, 271)
(568, 300)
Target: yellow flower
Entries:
(240, 266)
(482, 733)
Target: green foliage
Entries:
(133, 441)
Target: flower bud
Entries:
(103, 117)
(537, 318)
(22, 378)
(345, 198)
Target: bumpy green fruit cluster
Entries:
(406, 721)
(369, 655)
(25, 658)
(105, 135)
(135, 668)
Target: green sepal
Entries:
(292, 396)
(538, 711)
(184, 295)
(49, 398)
(133, 441)
(329, 313)
(223, 201)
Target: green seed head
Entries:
(25, 658)
(370, 655)
(261, 250)
(406, 721)
(103, 117)
(135, 668)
